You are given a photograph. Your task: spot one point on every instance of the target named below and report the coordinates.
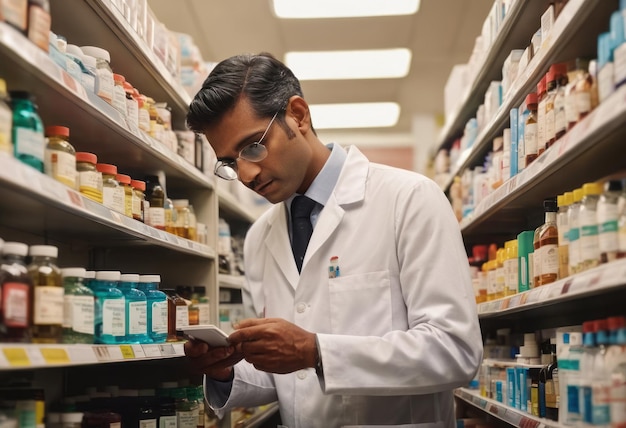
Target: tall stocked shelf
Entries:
(591, 150)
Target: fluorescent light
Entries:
(358, 64)
(343, 8)
(354, 115)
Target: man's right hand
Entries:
(217, 363)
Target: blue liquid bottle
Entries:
(136, 309)
(157, 307)
(28, 135)
(110, 309)
(90, 278)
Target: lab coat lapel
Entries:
(277, 242)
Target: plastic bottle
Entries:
(500, 275)
(589, 245)
(617, 391)
(586, 371)
(119, 94)
(89, 178)
(28, 134)
(545, 243)
(78, 310)
(47, 309)
(606, 82)
(138, 199)
(39, 21)
(104, 82)
(562, 224)
(600, 408)
(60, 156)
(574, 231)
(6, 120)
(530, 130)
(157, 313)
(541, 115)
(136, 309)
(110, 310)
(89, 74)
(608, 217)
(510, 267)
(525, 251)
(124, 181)
(156, 197)
(15, 293)
(569, 379)
(112, 193)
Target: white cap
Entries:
(96, 52)
(180, 202)
(17, 248)
(90, 274)
(129, 277)
(108, 275)
(74, 50)
(90, 61)
(44, 251)
(149, 278)
(73, 272)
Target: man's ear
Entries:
(298, 109)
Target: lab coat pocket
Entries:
(360, 304)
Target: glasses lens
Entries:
(225, 171)
(254, 152)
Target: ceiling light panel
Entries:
(357, 64)
(307, 9)
(354, 115)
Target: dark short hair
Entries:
(266, 82)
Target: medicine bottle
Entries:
(112, 193)
(136, 309)
(157, 307)
(15, 293)
(132, 107)
(101, 419)
(510, 267)
(138, 199)
(60, 156)
(119, 94)
(562, 224)
(201, 302)
(16, 14)
(124, 181)
(104, 82)
(530, 129)
(608, 217)
(27, 134)
(110, 309)
(573, 219)
(555, 78)
(177, 314)
(186, 410)
(545, 243)
(589, 230)
(39, 21)
(560, 120)
(47, 308)
(144, 112)
(156, 196)
(72, 419)
(89, 75)
(541, 115)
(185, 219)
(78, 310)
(6, 120)
(89, 178)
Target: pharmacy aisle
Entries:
(537, 182)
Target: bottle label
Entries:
(119, 100)
(492, 287)
(137, 317)
(105, 84)
(148, 423)
(560, 121)
(167, 422)
(136, 207)
(48, 305)
(90, 181)
(583, 103)
(6, 122)
(530, 139)
(606, 85)
(618, 399)
(113, 198)
(132, 114)
(113, 317)
(187, 419)
(30, 143)
(14, 302)
(589, 247)
(156, 215)
(159, 317)
(204, 312)
(600, 404)
(541, 124)
(144, 120)
(571, 112)
(89, 82)
(61, 166)
(39, 27)
(83, 314)
(550, 259)
(537, 262)
(549, 121)
(182, 316)
(511, 275)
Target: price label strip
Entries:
(55, 356)
(16, 357)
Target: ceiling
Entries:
(441, 34)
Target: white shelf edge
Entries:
(599, 279)
(15, 356)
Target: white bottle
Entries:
(588, 223)
(600, 408)
(586, 372)
(104, 83)
(569, 379)
(617, 369)
(608, 216)
(574, 231)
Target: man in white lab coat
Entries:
(380, 335)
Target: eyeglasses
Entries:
(254, 152)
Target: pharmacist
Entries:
(376, 323)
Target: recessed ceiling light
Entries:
(357, 64)
(343, 8)
(354, 115)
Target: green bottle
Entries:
(28, 133)
(78, 308)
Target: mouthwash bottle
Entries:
(78, 309)
(136, 309)
(110, 309)
(157, 307)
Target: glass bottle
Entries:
(28, 134)
(589, 245)
(138, 199)
(132, 107)
(545, 243)
(562, 223)
(60, 156)
(185, 225)
(608, 217)
(78, 310)
(530, 129)
(556, 79)
(573, 215)
(170, 216)
(39, 22)
(541, 115)
(15, 293)
(177, 314)
(89, 178)
(144, 112)
(47, 307)
(157, 317)
(186, 410)
(112, 193)
(124, 181)
(201, 302)
(583, 90)
(119, 94)
(500, 275)
(6, 120)
(156, 197)
(136, 309)
(110, 309)
(104, 81)
(560, 121)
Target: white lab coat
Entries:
(397, 330)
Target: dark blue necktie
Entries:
(301, 227)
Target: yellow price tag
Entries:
(55, 355)
(127, 352)
(16, 357)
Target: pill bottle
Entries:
(138, 199)
(104, 82)
(78, 309)
(110, 309)
(6, 120)
(157, 307)
(119, 94)
(124, 181)
(15, 289)
(136, 309)
(144, 112)
(60, 156)
(112, 193)
(89, 178)
(27, 133)
(132, 107)
(48, 291)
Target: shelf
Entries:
(231, 281)
(501, 411)
(31, 356)
(571, 36)
(585, 153)
(39, 204)
(94, 125)
(515, 33)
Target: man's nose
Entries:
(247, 171)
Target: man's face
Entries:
(284, 169)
